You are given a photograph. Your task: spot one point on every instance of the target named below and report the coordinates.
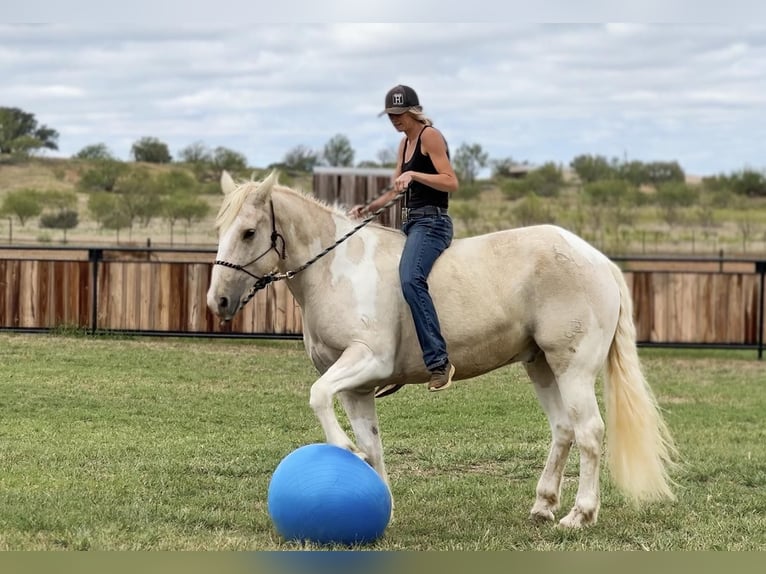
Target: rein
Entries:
(263, 281)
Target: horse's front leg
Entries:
(357, 369)
(360, 408)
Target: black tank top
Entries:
(421, 194)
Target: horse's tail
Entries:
(640, 448)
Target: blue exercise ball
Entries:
(325, 494)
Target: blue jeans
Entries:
(427, 237)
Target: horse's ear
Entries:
(227, 183)
(263, 192)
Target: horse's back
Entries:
(502, 295)
(537, 261)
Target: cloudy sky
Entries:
(690, 92)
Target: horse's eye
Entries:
(248, 234)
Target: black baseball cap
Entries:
(400, 99)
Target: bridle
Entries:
(264, 280)
(260, 282)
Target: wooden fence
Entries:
(351, 186)
(681, 302)
(677, 301)
(699, 307)
(139, 291)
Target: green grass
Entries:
(167, 444)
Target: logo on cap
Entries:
(398, 99)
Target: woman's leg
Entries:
(427, 238)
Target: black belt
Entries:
(411, 213)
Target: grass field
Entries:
(169, 444)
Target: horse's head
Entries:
(248, 245)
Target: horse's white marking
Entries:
(361, 275)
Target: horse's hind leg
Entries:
(576, 383)
(548, 493)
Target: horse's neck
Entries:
(306, 226)
(312, 233)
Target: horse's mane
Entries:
(233, 202)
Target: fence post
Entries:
(760, 268)
(94, 257)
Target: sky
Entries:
(537, 91)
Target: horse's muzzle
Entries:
(223, 307)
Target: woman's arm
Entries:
(432, 144)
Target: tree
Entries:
(200, 159)
(24, 146)
(468, 160)
(19, 132)
(196, 152)
(103, 176)
(634, 172)
(24, 204)
(109, 210)
(338, 151)
(502, 167)
(546, 181)
(140, 195)
(97, 151)
(749, 183)
(102, 204)
(175, 180)
(608, 197)
(151, 150)
(228, 160)
(591, 168)
(672, 196)
(59, 200)
(65, 220)
(300, 158)
(186, 206)
(117, 220)
(606, 193)
(717, 183)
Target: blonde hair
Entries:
(417, 113)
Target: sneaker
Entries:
(441, 378)
(386, 390)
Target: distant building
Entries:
(520, 170)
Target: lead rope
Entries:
(272, 277)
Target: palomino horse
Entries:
(537, 295)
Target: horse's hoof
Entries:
(543, 509)
(362, 455)
(541, 516)
(578, 519)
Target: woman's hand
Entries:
(357, 211)
(403, 181)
